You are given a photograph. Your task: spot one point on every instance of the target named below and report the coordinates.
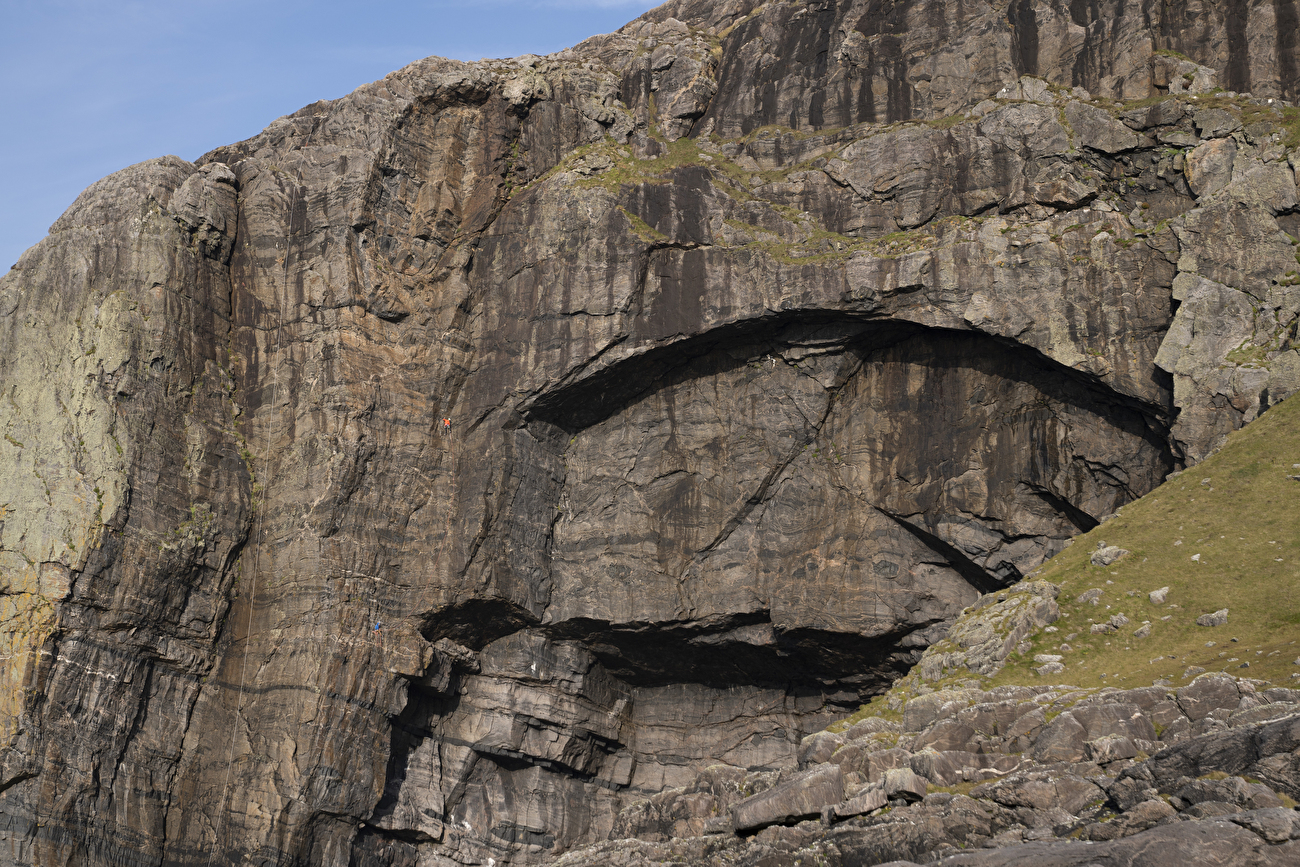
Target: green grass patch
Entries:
(1240, 525)
(1290, 124)
(644, 230)
(877, 707)
(959, 788)
(947, 122)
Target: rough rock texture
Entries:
(770, 336)
(1192, 801)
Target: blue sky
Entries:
(88, 87)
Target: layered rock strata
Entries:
(769, 337)
(1053, 774)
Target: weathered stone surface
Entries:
(1274, 824)
(680, 291)
(819, 747)
(802, 797)
(1110, 748)
(1097, 129)
(904, 783)
(1202, 842)
(1231, 790)
(1032, 804)
(1263, 751)
(1142, 816)
(1206, 694)
(1217, 618)
(868, 801)
(1106, 556)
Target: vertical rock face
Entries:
(769, 335)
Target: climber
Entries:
(446, 425)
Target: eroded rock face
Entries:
(1033, 799)
(741, 417)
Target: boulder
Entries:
(802, 797)
(904, 783)
(1215, 123)
(1042, 790)
(1230, 790)
(1209, 166)
(1098, 130)
(1120, 719)
(864, 802)
(950, 767)
(1218, 618)
(948, 734)
(1062, 740)
(1208, 692)
(880, 762)
(819, 747)
(1090, 597)
(1110, 748)
(1275, 824)
(1142, 816)
(1107, 555)
(1128, 791)
(1164, 113)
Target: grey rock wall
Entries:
(770, 336)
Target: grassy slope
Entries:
(1241, 514)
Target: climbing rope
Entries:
(261, 523)
(260, 530)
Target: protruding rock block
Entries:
(904, 783)
(861, 804)
(803, 797)
(1217, 618)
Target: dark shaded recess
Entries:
(589, 402)
(1082, 12)
(1024, 44)
(580, 405)
(1102, 20)
(511, 833)
(1077, 516)
(701, 652)
(972, 572)
(411, 727)
(884, 17)
(1289, 223)
(798, 662)
(512, 761)
(1015, 362)
(825, 25)
(375, 848)
(1237, 74)
(477, 623)
(634, 88)
(680, 209)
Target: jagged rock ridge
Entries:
(770, 334)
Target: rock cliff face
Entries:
(770, 335)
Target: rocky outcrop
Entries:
(456, 463)
(1052, 786)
